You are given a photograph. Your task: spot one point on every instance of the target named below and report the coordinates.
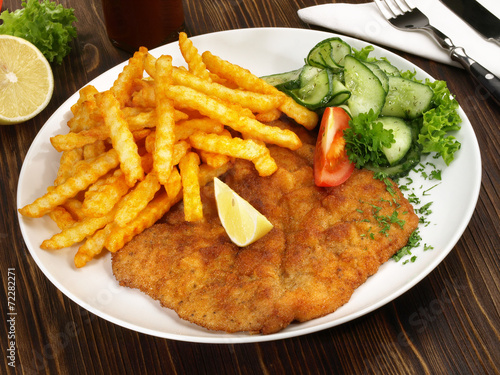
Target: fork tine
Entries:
(404, 5)
(388, 8)
(395, 7)
(384, 8)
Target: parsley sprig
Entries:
(365, 138)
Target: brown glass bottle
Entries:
(131, 24)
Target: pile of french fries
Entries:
(154, 138)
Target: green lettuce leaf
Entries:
(45, 24)
(439, 121)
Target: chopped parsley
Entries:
(413, 242)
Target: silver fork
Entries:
(403, 16)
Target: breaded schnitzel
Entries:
(325, 243)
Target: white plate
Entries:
(263, 51)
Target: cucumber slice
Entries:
(308, 74)
(315, 88)
(280, 78)
(366, 89)
(320, 55)
(404, 167)
(402, 135)
(406, 98)
(340, 50)
(346, 108)
(384, 80)
(340, 94)
(387, 68)
(329, 53)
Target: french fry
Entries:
(86, 117)
(123, 86)
(158, 207)
(269, 116)
(193, 59)
(141, 120)
(174, 180)
(246, 80)
(121, 138)
(238, 148)
(184, 96)
(67, 162)
(70, 188)
(189, 168)
(181, 148)
(145, 97)
(256, 102)
(150, 142)
(77, 232)
(137, 199)
(100, 198)
(93, 150)
(85, 94)
(92, 247)
(61, 217)
(308, 119)
(147, 162)
(165, 135)
(74, 207)
(140, 134)
(212, 159)
(186, 128)
(72, 140)
(150, 65)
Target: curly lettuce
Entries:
(439, 121)
(45, 24)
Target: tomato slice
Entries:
(331, 163)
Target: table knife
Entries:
(477, 16)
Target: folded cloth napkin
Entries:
(364, 21)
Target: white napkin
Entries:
(364, 21)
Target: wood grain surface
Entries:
(449, 323)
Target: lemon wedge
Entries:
(26, 80)
(242, 222)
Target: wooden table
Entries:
(458, 304)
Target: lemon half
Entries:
(26, 80)
(242, 222)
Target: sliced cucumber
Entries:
(329, 53)
(387, 68)
(346, 108)
(280, 78)
(402, 135)
(339, 95)
(320, 56)
(340, 50)
(366, 89)
(411, 159)
(406, 98)
(315, 89)
(384, 80)
(308, 74)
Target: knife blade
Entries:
(477, 16)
